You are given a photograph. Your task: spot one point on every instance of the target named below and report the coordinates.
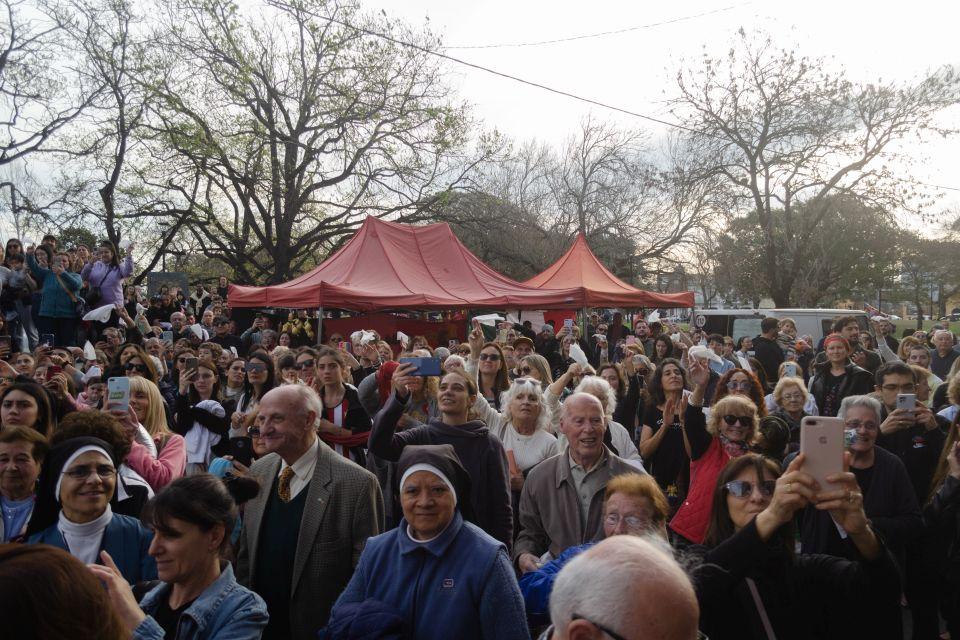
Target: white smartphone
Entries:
(790, 369)
(568, 323)
(907, 401)
(118, 394)
(821, 443)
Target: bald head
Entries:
(286, 418)
(629, 585)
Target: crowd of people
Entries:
(560, 482)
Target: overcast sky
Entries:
(636, 70)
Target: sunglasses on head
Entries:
(732, 420)
(744, 488)
(306, 364)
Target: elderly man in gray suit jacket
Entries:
(302, 536)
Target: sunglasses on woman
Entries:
(493, 357)
(306, 364)
(130, 366)
(256, 367)
(744, 488)
(732, 420)
(739, 386)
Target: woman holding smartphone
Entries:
(147, 410)
(480, 451)
(200, 418)
(751, 583)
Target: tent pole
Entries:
(320, 326)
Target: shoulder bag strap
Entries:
(73, 298)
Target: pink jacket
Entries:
(170, 463)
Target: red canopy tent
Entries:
(387, 265)
(580, 269)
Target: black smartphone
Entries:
(241, 448)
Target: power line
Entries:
(561, 92)
(601, 33)
(501, 74)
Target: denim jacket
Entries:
(225, 611)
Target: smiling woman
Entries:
(73, 510)
(192, 519)
(479, 450)
(463, 584)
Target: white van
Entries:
(746, 322)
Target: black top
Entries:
(802, 596)
(669, 464)
(770, 355)
(888, 500)
(273, 575)
(169, 618)
(919, 450)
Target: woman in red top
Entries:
(729, 432)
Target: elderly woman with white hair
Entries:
(888, 497)
(523, 427)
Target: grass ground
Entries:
(912, 325)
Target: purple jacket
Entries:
(112, 288)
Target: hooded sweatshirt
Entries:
(479, 450)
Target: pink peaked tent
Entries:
(580, 269)
(387, 265)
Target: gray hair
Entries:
(269, 333)
(441, 352)
(866, 402)
(594, 583)
(306, 399)
(455, 359)
(574, 397)
(601, 389)
(526, 385)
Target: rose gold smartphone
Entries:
(822, 443)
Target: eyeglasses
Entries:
(83, 472)
(793, 396)
(493, 357)
(856, 424)
(130, 366)
(615, 636)
(632, 523)
(901, 388)
(744, 488)
(732, 420)
(306, 364)
(739, 386)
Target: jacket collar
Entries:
(563, 465)
(206, 603)
(438, 546)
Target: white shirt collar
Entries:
(304, 466)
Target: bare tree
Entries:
(40, 93)
(296, 127)
(782, 130)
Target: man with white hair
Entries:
(625, 588)
(562, 497)
(943, 355)
(303, 534)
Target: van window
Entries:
(746, 327)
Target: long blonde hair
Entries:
(155, 421)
